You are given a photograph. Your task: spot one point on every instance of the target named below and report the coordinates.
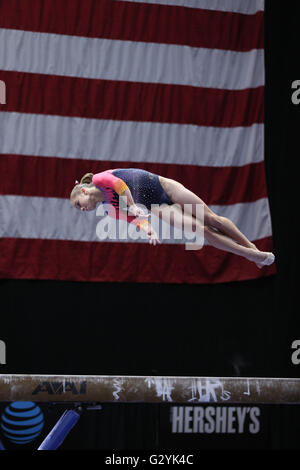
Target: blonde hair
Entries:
(85, 182)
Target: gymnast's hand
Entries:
(152, 236)
(137, 211)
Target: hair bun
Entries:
(87, 178)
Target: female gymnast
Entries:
(137, 186)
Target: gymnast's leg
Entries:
(175, 216)
(179, 194)
(222, 242)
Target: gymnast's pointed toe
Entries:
(269, 259)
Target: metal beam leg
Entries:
(62, 428)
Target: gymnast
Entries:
(136, 186)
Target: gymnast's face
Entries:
(85, 201)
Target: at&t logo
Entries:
(22, 422)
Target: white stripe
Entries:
(130, 61)
(248, 7)
(97, 139)
(54, 218)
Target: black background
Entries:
(237, 329)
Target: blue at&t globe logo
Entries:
(22, 422)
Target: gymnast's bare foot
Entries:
(266, 260)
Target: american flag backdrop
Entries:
(175, 87)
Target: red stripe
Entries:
(117, 262)
(130, 101)
(136, 22)
(55, 177)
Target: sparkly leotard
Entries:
(144, 186)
